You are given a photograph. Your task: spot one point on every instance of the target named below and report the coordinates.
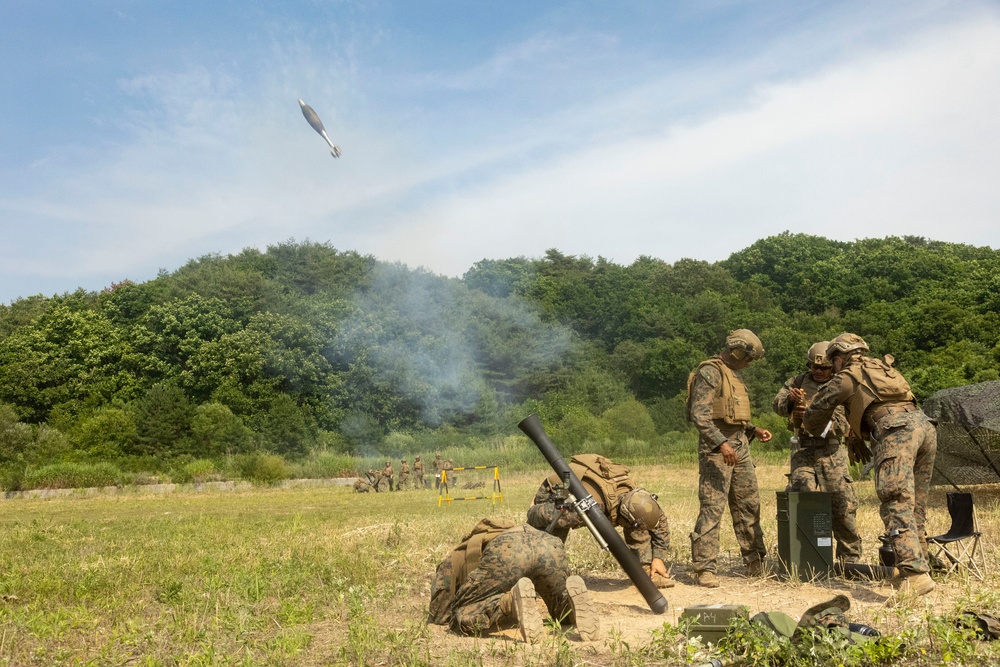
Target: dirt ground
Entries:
(624, 612)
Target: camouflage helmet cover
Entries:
(816, 356)
(641, 509)
(744, 343)
(846, 343)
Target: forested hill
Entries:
(305, 345)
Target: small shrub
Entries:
(262, 468)
(198, 471)
(72, 476)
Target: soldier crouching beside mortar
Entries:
(637, 511)
(719, 406)
(820, 462)
(881, 407)
(494, 578)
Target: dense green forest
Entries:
(305, 348)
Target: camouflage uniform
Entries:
(881, 408)
(521, 551)
(438, 467)
(615, 486)
(821, 464)
(713, 384)
(361, 486)
(378, 481)
(404, 475)
(418, 473)
(389, 474)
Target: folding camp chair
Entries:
(959, 547)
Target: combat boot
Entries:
(755, 568)
(658, 579)
(918, 584)
(524, 603)
(708, 579)
(585, 616)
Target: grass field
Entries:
(325, 576)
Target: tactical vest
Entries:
(878, 382)
(610, 480)
(732, 402)
(464, 559)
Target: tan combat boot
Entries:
(585, 616)
(918, 584)
(708, 579)
(755, 568)
(658, 579)
(524, 602)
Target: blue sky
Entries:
(136, 135)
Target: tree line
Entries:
(304, 347)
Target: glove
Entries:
(857, 451)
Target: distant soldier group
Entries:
(385, 479)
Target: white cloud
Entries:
(901, 140)
(897, 142)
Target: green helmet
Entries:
(816, 356)
(744, 344)
(846, 343)
(641, 509)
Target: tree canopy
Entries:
(304, 344)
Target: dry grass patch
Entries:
(325, 576)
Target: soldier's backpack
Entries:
(455, 569)
(610, 478)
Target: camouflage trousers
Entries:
(822, 465)
(519, 552)
(720, 484)
(404, 481)
(905, 445)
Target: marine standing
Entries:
(418, 472)
(819, 461)
(404, 475)
(389, 474)
(719, 406)
(880, 407)
(438, 467)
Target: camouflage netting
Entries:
(968, 434)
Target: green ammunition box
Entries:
(711, 620)
(805, 534)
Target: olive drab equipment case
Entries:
(711, 621)
(805, 534)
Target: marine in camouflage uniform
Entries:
(719, 407)
(635, 510)
(418, 472)
(818, 462)
(389, 474)
(404, 475)
(361, 486)
(378, 481)
(438, 467)
(499, 589)
(881, 408)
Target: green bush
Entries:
(262, 468)
(628, 420)
(198, 471)
(325, 464)
(72, 476)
